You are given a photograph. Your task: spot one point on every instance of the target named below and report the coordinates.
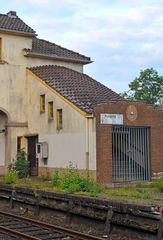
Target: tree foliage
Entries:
(147, 87)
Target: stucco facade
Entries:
(20, 115)
(33, 69)
(69, 144)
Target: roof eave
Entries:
(18, 33)
(55, 57)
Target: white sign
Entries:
(106, 118)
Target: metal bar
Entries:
(116, 160)
(125, 155)
(145, 154)
(138, 155)
(148, 160)
(129, 154)
(121, 162)
(141, 154)
(136, 158)
(132, 153)
(118, 157)
(113, 153)
(143, 150)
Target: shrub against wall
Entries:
(71, 181)
(20, 164)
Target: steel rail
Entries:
(66, 231)
(15, 233)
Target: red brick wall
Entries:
(147, 116)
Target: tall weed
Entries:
(10, 177)
(71, 181)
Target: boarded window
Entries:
(19, 139)
(59, 119)
(50, 110)
(21, 143)
(42, 103)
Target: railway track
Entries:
(111, 219)
(20, 227)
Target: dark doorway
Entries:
(130, 149)
(32, 140)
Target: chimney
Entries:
(12, 14)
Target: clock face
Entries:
(131, 113)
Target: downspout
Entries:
(87, 164)
(87, 144)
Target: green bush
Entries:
(93, 187)
(20, 164)
(10, 177)
(71, 181)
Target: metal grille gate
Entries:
(130, 152)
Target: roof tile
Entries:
(78, 88)
(43, 47)
(11, 22)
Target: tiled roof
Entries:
(11, 22)
(43, 47)
(79, 88)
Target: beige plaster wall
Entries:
(67, 145)
(13, 85)
(19, 96)
(2, 138)
(32, 62)
(13, 76)
(12, 48)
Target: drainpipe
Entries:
(87, 144)
(88, 119)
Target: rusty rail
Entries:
(42, 225)
(111, 214)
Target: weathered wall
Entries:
(2, 138)
(13, 76)
(147, 116)
(15, 100)
(69, 144)
(13, 89)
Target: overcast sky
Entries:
(120, 36)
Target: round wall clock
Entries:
(131, 113)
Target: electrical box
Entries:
(38, 150)
(42, 150)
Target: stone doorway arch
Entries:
(4, 140)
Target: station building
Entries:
(58, 114)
